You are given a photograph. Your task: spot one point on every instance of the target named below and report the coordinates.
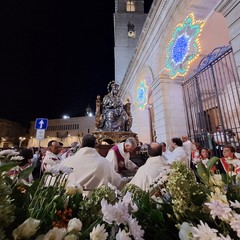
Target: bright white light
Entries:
(65, 116)
(90, 114)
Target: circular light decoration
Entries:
(184, 46)
(142, 93)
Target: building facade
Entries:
(175, 37)
(11, 134)
(129, 18)
(66, 131)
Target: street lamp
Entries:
(21, 139)
(89, 111)
(65, 117)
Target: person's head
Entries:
(196, 146)
(54, 147)
(184, 138)
(164, 146)
(205, 153)
(229, 151)
(89, 141)
(27, 155)
(176, 142)
(219, 128)
(130, 144)
(114, 88)
(60, 146)
(154, 149)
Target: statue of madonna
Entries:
(113, 117)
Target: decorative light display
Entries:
(184, 46)
(142, 93)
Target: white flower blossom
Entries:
(122, 235)
(56, 169)
(224, 238)
(235, 204)
(99, 233)
(135, 230)
(204, 232)
(8, 153)
(55, 233)
(185, 232)
(234, 223)
(114, 213)
(70, 189)
(219, 209)
(71, 237)
(74, 226)
(16, 158)
(27, 229)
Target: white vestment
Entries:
(178, 154)
(91, 170)
(187, 147)
(148, 172)
(50, 156)
(112, 157)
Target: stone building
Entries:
(66, 131)
(183, 76)
(11, 134)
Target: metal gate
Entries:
(212, 98)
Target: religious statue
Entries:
(115, 115)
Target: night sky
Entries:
(53, 59)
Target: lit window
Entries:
(130, 6)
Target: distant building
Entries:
(10, 132)
(66, 130)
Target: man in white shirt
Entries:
(177, 153)
(154, 165)
(90, 169)
(187, 147)
(52, 154)
(119, 155)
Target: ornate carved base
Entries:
(113, 137)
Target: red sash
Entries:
(120, 159)
(226, 166)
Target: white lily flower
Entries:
(27, 229)
(74, 226)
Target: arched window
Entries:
(130, 6)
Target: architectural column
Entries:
(169, 112)
(230, 10)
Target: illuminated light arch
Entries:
(142, 95)
(184, 47)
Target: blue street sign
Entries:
(41, 123)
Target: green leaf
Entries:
(212, 161)
(7, 166)
(203, 172)
(25, 173)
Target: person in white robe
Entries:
(90, 169)
(154, 165)
(119, 155)
(187, 147)
(177, 152)
(52, 154)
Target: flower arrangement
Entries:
(178, 205)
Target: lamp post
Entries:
(21, 139)
(89, 111)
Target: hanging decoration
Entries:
(184, 46)
(142, 93)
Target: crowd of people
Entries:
(92, 170)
